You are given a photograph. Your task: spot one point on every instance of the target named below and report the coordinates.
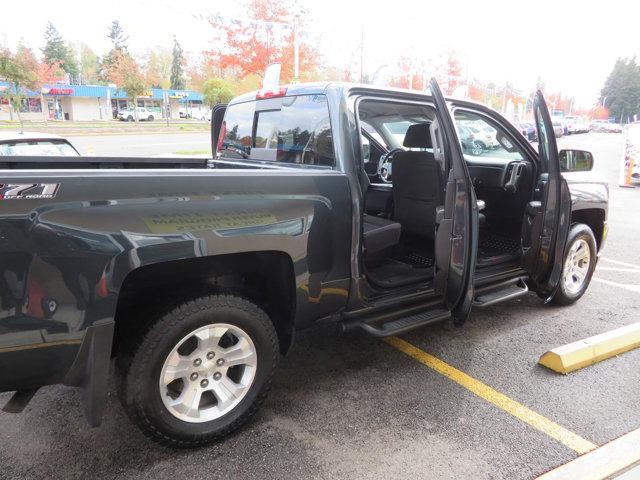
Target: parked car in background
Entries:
(529, 131)
(576, 125)
(196, 113)
(475, 140)
(605, 127)
(35, 144)
(612, 128)
(470, 144)
(128, 115)
(558, 127)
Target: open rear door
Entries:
(547, 218)
(457, 234)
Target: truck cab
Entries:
(453, 207)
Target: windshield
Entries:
(38, 148)
(391, 120)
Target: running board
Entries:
(404, 324)
(18, 402)
(501, 293)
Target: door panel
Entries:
(547, 218)
(457, 234)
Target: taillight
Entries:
(280, 92)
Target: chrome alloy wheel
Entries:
(576, 266)
(208, 373)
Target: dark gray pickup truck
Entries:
(378, 209)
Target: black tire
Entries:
(129, 118)
(150, 119)
(140, 369)
(477, 148)
(579, 231)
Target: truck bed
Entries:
(64, 163)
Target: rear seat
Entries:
(379, 233)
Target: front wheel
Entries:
(201, 371)
(578, 266)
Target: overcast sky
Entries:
(572, 45)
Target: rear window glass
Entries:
(297, 131)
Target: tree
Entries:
(177, 62)
(215, 91)
(452, 74)
(126, 74)
(88, 65)
(621, 91)
(118, 49)
(117, 36)
(57, 52)
(158, 67)
(23, 72)
(265, 36)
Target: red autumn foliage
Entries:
(247, 46)
(599, 113)
(452, 74)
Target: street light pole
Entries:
(296, 50)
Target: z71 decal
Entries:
(25, 191)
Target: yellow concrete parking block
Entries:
(604, 462)
(591, 350)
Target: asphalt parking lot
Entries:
(352, 406)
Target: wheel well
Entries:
(594, 219)
(148, 292)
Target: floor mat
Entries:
(393, 273)
(492, 244)
(415, 259)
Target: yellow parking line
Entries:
(537, 421)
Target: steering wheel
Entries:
(385, 165)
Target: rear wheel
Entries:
(200, 371)
(150, 119)
(578, 266)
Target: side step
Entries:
(18, 402)
(401, 325)
(500, 293)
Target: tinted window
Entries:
(479, 138)
(298, 131)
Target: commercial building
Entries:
(96, 102)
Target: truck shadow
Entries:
(330, 389)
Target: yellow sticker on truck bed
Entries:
(190, 222)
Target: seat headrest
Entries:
(417, 136)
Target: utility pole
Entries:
(362, 54)
(296, 49)
(504, 99)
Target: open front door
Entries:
(217, 115)
(547, 217)
(457, 232)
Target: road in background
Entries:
(137, 145)
(352, 406)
